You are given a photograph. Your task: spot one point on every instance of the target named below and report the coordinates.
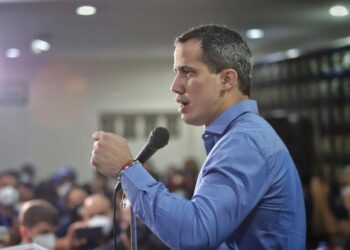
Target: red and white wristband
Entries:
(128, 164)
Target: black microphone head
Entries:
(158, 138)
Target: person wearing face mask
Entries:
(9, 200)
(27, 174)
(97, 213)
(64, 179)
(73, 202)
(332, 223)
(38, 220)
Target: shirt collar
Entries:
(219, 125)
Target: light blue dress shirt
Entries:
(248, 194)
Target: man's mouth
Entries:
(184, 103)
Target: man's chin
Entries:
(190, 121)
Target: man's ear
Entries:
(24, 232)
(229, 79)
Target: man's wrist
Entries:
(125, 166)
(128, 164)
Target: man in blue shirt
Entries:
(248, 193)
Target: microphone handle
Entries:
(146, 152)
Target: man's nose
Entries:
(177, 85)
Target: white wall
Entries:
(65, 100)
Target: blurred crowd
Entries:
(60, 212)
(327, 200)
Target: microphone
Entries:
(157, 139)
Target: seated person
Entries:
(97, 213)
(9, 202)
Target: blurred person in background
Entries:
(175, 182)
(38, 221)
(64, 179)
(190, 173)
(73, 202)
(27, 174)
(27, 182)
(45, 190)
(183, 181)
(344, 184)
(97, 214)
(8, 178)
(332, 223)
(9, 202)
(100, 184)
(26, 192)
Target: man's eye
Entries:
(187, 72)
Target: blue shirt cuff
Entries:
(135, 179)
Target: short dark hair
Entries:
(223, 48)
(11, 173)
(36, 211)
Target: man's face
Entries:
(8, 180)
(75, 198)
(345, 190)
(197, 89)
(38, 229)
(93, 208)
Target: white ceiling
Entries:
(146, 28)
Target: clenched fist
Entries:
(110, 152)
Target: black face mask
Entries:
(75, 213)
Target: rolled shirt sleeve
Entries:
(232, 181)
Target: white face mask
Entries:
(9, 196)
(181, 192)
(345, 190)
(63, 189)
(45, 240)
(101, 221)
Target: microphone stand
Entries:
(133, 225)
(158, 138)
(133, 229)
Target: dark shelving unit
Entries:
(314, 86)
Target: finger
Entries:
(94, 161)
(97, 135)
(95, 145)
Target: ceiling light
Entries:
(293, 53)
(338, 10)
(39, 46)
(255, 33)
(86, 10)
(13, 53)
